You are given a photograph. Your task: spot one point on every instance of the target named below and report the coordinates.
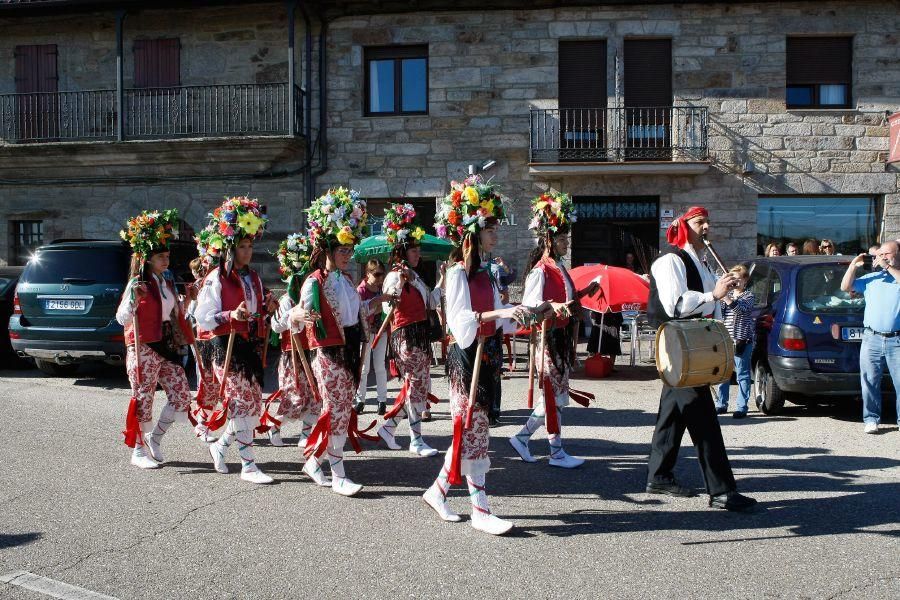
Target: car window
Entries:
(102, 265)
(759, 279)
(819, 290)
(5, 282)
(774, 286)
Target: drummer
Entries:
(682, 286)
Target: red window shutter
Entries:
(157, 63)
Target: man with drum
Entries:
(682, 286)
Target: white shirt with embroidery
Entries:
(534, 286)
(340, 294)
(125, 312)
(460, 316)
(393, 285)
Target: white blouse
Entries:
(534, 286)
(125, 312)
(393, 285)
(281, 320)
(346, 303)
(671, 283)
(460, 316)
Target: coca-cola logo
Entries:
(635, 306)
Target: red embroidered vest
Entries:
(554, 287)
(481, 294)
(232, 296)
(410, 309)
(149, 316)
(334, 333)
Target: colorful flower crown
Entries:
(400, 225)
(236, 219)
(150, 231)
(209, 245)
(338, 217)
(293, 256)
(467, 208)
(553, 213)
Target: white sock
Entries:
(245, 449)
(555, 439)
(477, 494)
(166, 418)
(534, 422)
(442, 483)
(415, 423)
(336, 455)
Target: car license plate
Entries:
(852, 334)
(64, 304)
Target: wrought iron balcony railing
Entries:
(151, 113)
(669, 133)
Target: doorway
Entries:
(608, 228)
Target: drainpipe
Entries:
(291, 99)
(120, 78)
(323, 99)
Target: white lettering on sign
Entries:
(509, 220)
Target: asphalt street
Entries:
(75, 511)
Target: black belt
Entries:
(889, 334)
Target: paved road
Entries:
(76, 512)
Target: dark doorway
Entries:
(610, 227)
(37, 103)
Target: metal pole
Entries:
(120, 78)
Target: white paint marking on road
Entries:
(51, 587)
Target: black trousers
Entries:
(691, 409)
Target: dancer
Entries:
(330, 307)
(232, 306)
(207, 389)
(549, 282)
(156, 333)
(469, 217)
(410, 332)
(371, 296)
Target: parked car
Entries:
(9, 276)
(808, 331)
(66, 300)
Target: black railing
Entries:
(151, 113)
(670, 133)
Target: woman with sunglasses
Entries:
(369, 290)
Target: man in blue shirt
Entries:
(881, 340)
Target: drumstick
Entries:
(228, 350)
(473, 387)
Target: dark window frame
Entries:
(19, 246)
(815, 87)
(398, 54)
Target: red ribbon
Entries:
(218, 418)
(132, 425)
(266, 421)
(550, 408)
(455, 477)
(431, 400)
(354, 433)
(191, 418)
(317, 442)
(582, 398)
(399, 402)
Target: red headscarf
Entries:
(677, 233)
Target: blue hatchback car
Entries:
(808, 332)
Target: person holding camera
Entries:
(736, 308)
(881, 339)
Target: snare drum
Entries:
(694, 352)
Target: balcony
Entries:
(664, 140)
(200, 111)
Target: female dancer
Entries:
(410, 343)
(232, 306)
(469, 217)
(371, 296)
(156, 333)
(549, 282)
(207, 389)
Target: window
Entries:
(819, 72)
(157, 63)
(759, 283)
(396, 80)
(26, 237)
(851, 222)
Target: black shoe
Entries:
(426, 415)
(493, 421)
(732, 501)
(739, 414)
(382, 408)
(670, 489)
(360, 407)
(721, 410)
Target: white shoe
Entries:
(566, 462)
(315, 472)
(345, 487)
(522, 449)
(871, 428)
(256, 476)
(275, 438)
(422, 449)
(488, 523)
(202, 432)
(440, 506)
(301, 443)
(218, 459)
(153, 448)
(140, 459)
(388, 439)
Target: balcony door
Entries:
(648, 99)
(37, 82)
(582, 100)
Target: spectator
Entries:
(811, 246)
(791, 249)
(876, 256)
(881, 339)
(605, 340)
(736, 308)
(772, 249)
(629, 262)
(827, 247)
(371, 298)
(505, 276)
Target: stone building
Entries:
(771, 114)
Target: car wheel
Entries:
(768, 396)
(56, 370)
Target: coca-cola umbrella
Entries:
(620, 289)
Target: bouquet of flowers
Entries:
(293, 256)
(552, 213)
(400, 225)
(235, 219)
(338, 218)
(467, 208)
(150, 231)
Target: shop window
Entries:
(819, 72)
(852, 222)
(396, 80)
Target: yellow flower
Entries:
(249, 223)
(471, 195)
(540, 205)
(488, 206)
(216, 242)
(418, 233)
(345, 236)
(123, 235)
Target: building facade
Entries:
(773, 115)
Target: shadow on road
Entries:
(18, 539)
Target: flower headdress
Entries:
(552, 213)
(150, 231)
(401, 226)
(236, 219)
(338, 218)
(467, 208)
(293, 261)
(209, 245)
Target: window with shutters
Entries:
(582, 99)
(648, 98)
(37, 104)
(157, 63)
(396, 80)
(819, 72)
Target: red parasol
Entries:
(620, 289)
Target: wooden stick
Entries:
(137, 346)
(387, 320)
(309, 374)
(473, 388)
(542, 352)
(531, 369)
(266, 342)
(294, 359)
(229, 349)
